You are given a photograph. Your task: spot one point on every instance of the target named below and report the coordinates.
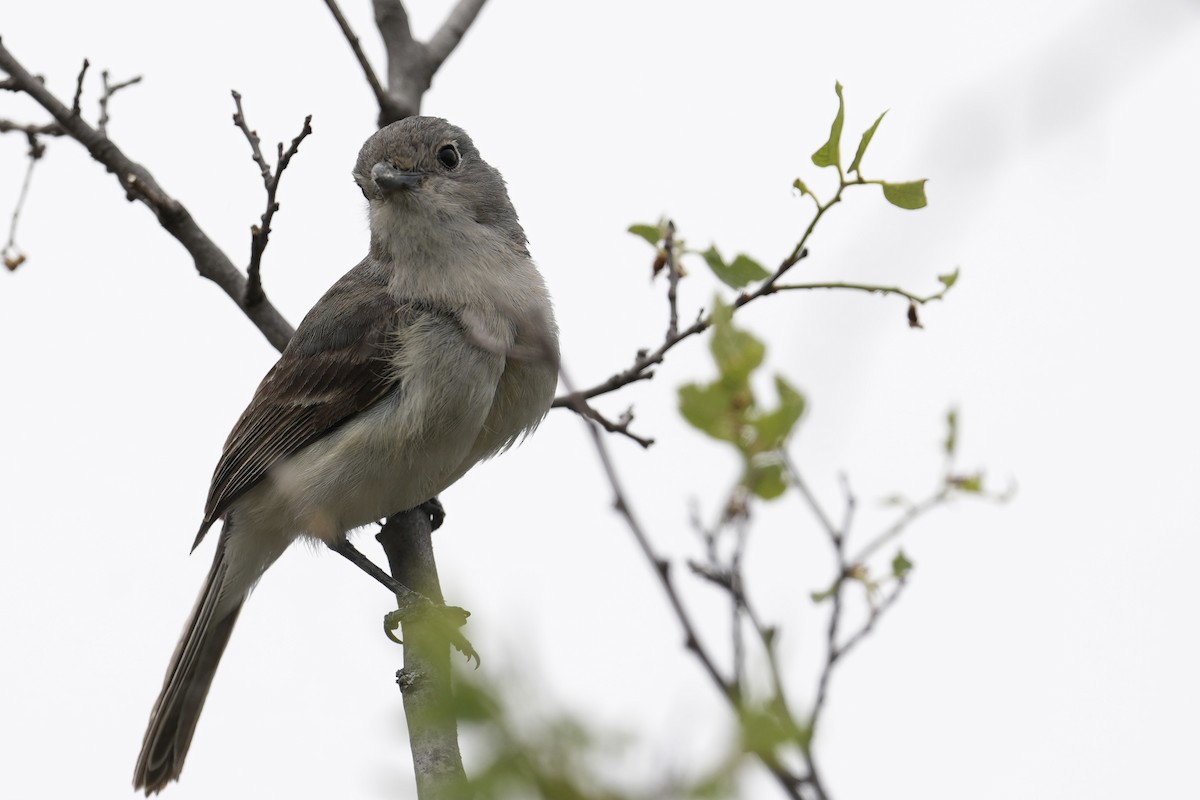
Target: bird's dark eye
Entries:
(448, 156)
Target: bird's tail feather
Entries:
(173, 720)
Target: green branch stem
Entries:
(864, 287)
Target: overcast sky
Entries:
(1045, 649)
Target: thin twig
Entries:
(75, 110)
(797, 480)
(863, 287)
(109, 91)
(13, 257)
(140, 185)
(372, 79)
(46, 129)
(239, 119)
(647, 359)
(672, 279)
(662, 569)
(621, 426)
(898, 527)
(260, 234)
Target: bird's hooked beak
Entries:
(389, 179)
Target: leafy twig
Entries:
(789, 782)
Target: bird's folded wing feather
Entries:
(334, 368)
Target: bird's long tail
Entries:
(173, 720)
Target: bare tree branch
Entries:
(789, 782)
(75, 110)
(411, 63)
(376, 87)
(259, 234)
(140, 185)
(451, 33)
(109, 91)
(46, 129)
(671, 263)
(621, 426)
(426, 680)
(13, 257)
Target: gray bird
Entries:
(437, 351)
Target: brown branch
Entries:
(789, 782)
(75, 110)
(140, 185)
(13, 257)
(426, 680)
(411, 63)
(451, 33)
(863, 287)
(621, 426)
(28, 128)
(672, 279)
(376, 87)
(109, 91)
(259, 234)
(647, 359)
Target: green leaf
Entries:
(742, 271)
(950, 279)
(951, 431)
(774, 428)
(862, 144)
(968, 483)
(651, 233)
(710, 409)
(821, 597)
(830, 155)
(910, 195)
(763, 731)
(799, 184)
(901, 565)
(737, 352)
(765, 481)
(746, 270)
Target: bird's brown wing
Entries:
(333, 368)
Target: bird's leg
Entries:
(412, 604)
(406, 597)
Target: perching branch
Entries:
(140, 185)
(425, 681)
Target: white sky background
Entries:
(1045, 649)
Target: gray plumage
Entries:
(438, 350)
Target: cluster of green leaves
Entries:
(728, 409)
(744, 270)
(528, 754)
(904, 194)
